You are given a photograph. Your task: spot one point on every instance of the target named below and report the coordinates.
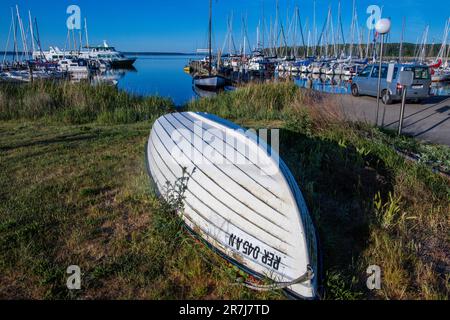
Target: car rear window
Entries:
(384, 72)
(420, 73)
(365, 72)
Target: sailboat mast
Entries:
(301, 27)
(210, 38)
(262, 26)
(276, 35)
(400, 53)
(80, 35)
(352, 30)
(338, 35)
(74, 40)
(257, 35)
(16, 47)
(447, 45)
(32, 32)
(22, 32)
(368, 43)
(314, 27)
(39, 39)
(86, 31)
(7, 45)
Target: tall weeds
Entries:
(77, 103)
(370, 205)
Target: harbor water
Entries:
(163, 74)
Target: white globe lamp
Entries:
(383, 26)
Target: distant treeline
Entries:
(409, 50)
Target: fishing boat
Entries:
(210, 81)
(241, 199)
(213, 82)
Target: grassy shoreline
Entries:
(74, 190)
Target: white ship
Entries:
(109, 54)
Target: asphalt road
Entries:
(428, 121)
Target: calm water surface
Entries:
(163, 75)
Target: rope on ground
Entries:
(309, 275)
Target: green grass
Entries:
(77, 192)
(80, 195)
(81, 103)
(371, 205)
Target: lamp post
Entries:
(383, 26)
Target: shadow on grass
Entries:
(339, 183)
(59, 139)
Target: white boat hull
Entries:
(251, 211)
(210, 83)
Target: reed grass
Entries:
(68, 103)
(371, 206)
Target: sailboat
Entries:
(210, 81)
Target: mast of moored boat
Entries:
(86, 32)
(7, 45)
(308, 42)
(448, 46)
(32, 33)
(22, 33)
(352, 31)
(443, 50)
(16, 47)
(339, 31)
(400, 53)
(314, 28)
(262, 27)
(80, 46)
(38, 39)
(301, 29)
(210, 38)
(368, 43)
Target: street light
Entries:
(383, 26)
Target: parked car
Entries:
(366, 82)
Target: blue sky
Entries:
(181, 25)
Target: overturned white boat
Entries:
(240, 198)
